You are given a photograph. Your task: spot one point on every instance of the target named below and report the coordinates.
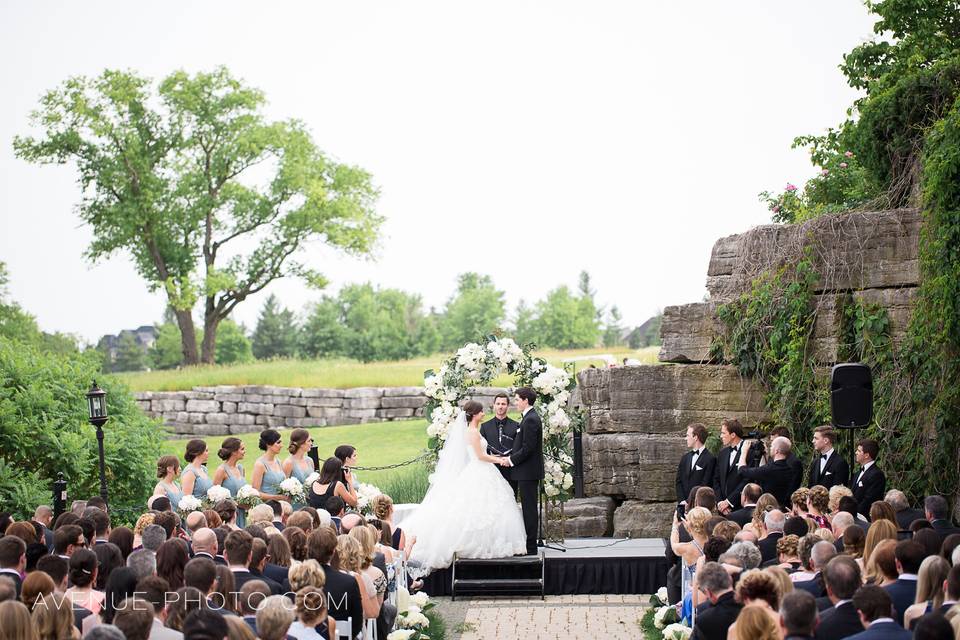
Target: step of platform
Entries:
(519, 575)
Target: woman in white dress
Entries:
(469, 509)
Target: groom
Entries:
(527, 462)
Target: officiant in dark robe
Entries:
(499, 433)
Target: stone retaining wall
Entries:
(223, 410)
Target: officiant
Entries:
(499, 433)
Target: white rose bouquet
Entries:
(676, 631)
(216, 493)
(188, 504)
(665, 615)
(313, 477)
(247, 497)
(365, 495)
(293, 489)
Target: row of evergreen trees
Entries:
(368, 323)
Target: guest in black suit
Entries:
(44, 517)
(796, 466)
(238, 549)
(713, 623)
(775, 477)
(798, 615)
(748, 498)
(820, 554)
(201, 573)
(258, 559)
(904, 513)
(828, 468)
(727, 481)
(873, 604)
(697, 466)
(870, 483)
(13, 559)
(903, 592)
(951, 591)
(526, 462)
(773, 524)
(936, 511)
(842, 579)
(499, 433)
(343, 593)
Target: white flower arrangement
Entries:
(401, 634)
(662, 595)
(313, 477)
(248, 497)
(664, 616)
(293, 489)
(189, 503)
(676, 631)
(412, 618)
(552, 381)
(216, 493)
(365, 494)
(472, 358)
(420, 598)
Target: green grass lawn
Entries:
(342, 373)
(377, 443)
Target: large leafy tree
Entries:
(186, 178)
(476, 309)
(276, 332)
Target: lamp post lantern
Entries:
(97, 405)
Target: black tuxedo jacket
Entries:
(713, 623)
(869, 489)
(343, 598)
(837, 471)
(840, 622)
(944, 528)
(796, 471)
(699, 476)
(768, 546)
(775, 478)
(275, 587)
(13, 575)
(903, 593)
(743, 515)
(907, 516)
(727, 481)
(527, 457)
(490, 432)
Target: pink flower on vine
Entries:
(791, 188)
(848, 154)
(775, 208)
(825, 172)
(843, 165)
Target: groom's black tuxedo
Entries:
(527, 461)
(499, 435)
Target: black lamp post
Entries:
(97, 404)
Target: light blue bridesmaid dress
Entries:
(233, 483)
(174, 495)
(271, 477)
(300, 473)
(201, 482)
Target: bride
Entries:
(469, 508)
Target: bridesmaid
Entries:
(168, 467)
(267, 472)
(194, 479)
(347, 454)
(230, 474)
(299, 465)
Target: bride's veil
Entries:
(453, 456)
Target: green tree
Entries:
(130, 355)
(382, 324)
(476, 309)
(15, 323)
(567, 321)
(233, 346)
(181, 177)
(613, 329)
(276, 332)
(167, 351)
(323, 334)
(525, 325)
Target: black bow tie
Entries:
(696, 452)
(823, 456)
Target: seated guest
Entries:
(936, 512)
(13, 559)
(951, 589)
(788, 558)
(881, 566)
(797, 526)
(740, 557)
(853, 543)
(258, 559)
(820, 554)
(274, 618)
(754, 623)
(716, 584)
(135, 617)
(909, 555)
(874, 606)
(776, 476)
(727, 530)
(848, 504)
(252, 593)
(765, 503)
(901, 508)
(798, 615)
(798, 502)
(930, 584)
(301, 520)
(870, 483)
(204, 544)
(196, 520)
(759, 588)
(83, 577)
(841, 578)
(839, 523)
(336, 506)
(773, 528)
(312, 620)
(950, 543)
(748, 498)
(238, 549)
(935, 626)
(154, 590)
(343, 591)
(201, 574)
(838, 492)
(881, 510)
(818, 501)
(930, 540)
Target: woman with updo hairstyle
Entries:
(754, 623)
(383, 510)
(213, 518)
(143, 522)
(168, 467)
(227, 510)
(329, 485)
(836, 492)
(35, 585)
(308, 573)
(267, 472)
(881, 510)
(757, 589)
(798, 502)
(818, 503)
(299, 465)
(83, 577)
(312, 620)
(194, 479)
(766, 502)
(229, 475)
(297, 541)
(695, 524)
(384, 538)
(787, 554)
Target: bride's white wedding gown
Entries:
(469, 509)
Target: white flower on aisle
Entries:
(676, 631)
(293, 489)
(662, 595)
(664, 616)
(401, 634)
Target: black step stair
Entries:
(520, 575)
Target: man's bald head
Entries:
(349, 521)
(205, 540)
(780, 446)
(196, 520)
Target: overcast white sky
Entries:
(525, 140)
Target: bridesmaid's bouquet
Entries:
(293, 489)
(247, 497)
(215, 494)
(365, 495)
(313, 477)
(187, 505)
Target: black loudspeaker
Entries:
(851, 395)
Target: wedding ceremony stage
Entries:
(588, 566)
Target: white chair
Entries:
(344, 627)
(370, 629)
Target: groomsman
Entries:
(727, 482)
(697, 466)
(828, 468)
(499, 432)
(870, 483)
